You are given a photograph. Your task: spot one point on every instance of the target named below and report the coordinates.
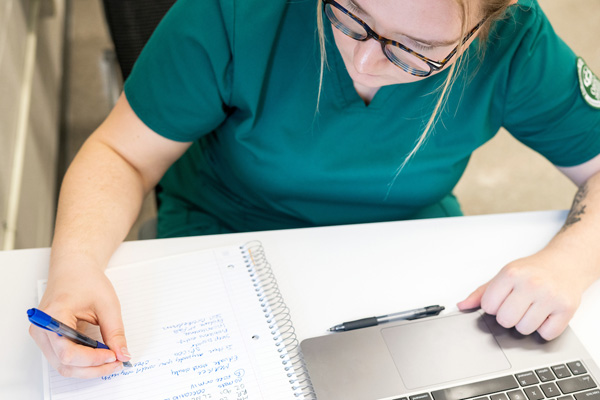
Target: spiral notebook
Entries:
(203, 325)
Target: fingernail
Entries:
(111, 359)
(125, 352)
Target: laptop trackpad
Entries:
(440, 350)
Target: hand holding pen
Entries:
(44, 321)
(91, 359)
(108, 359)
(402, 315)
(82, 294)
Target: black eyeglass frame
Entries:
(371, 34)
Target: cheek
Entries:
(345, 45)
(399, 76)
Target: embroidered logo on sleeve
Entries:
(588, 83)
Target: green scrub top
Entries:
(240, 79)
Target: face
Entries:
(431, 28)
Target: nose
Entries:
(368, 56)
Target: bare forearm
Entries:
(580, 234)
(100, 199)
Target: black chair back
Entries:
(131, 22)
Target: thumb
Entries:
(113, 333)
(474, 299)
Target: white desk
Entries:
(327, 275)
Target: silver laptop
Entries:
(449, 357)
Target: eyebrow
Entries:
(435, 43)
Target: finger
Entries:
(73, 354)
(76, 355)
(513, 309)
(66, 352)
(90, 372)
(113, 331)
(533, 318)
(473, 300)
(497, 291)
(554, 325)
(43, 341)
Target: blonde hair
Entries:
(491, 11)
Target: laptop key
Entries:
(576, 368)
(591, 395)
(561, 371)
(423, 396)
(477, 389)
(517, 395)
(576, 384)
(527, 378)
(568, 397)
(545, 374)
(498, 396)
(550, 389)
(534, 393)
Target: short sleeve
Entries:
(181, 83)
(544, 106)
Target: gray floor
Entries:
(503, 175)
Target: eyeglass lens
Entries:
(355, 30)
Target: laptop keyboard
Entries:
(569, 381)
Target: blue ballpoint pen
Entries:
(43, 320)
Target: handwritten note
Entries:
(196, 331)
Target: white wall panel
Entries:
(35, 215)
(12, 57)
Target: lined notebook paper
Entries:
(199, 326)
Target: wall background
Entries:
(38, 184)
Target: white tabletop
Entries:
(327, 275)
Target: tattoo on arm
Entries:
(578, 208)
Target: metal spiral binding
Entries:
(278, 317)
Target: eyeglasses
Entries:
(403, 57)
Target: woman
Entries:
(257, 123)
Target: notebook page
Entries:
(195, 330)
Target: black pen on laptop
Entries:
(402, 315)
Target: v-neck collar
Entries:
(342, 84)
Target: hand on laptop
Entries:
(540, 292)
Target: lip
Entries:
(367, 75)
(367, 79)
